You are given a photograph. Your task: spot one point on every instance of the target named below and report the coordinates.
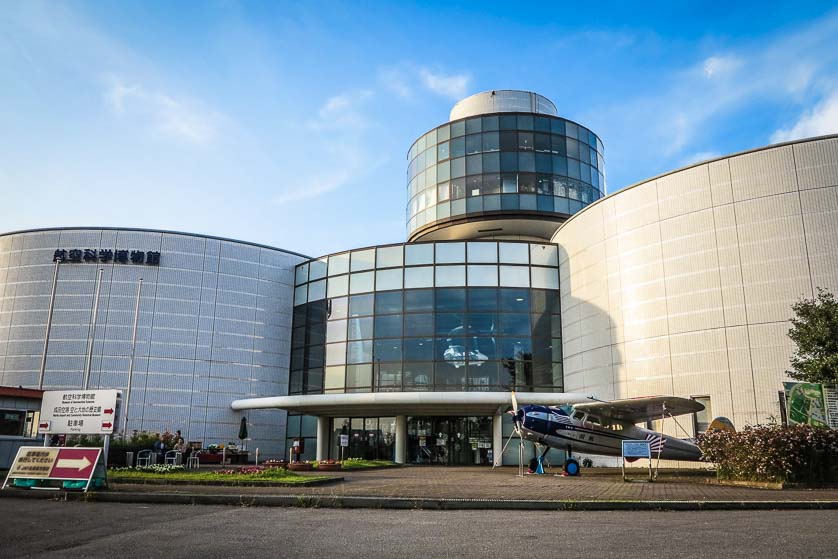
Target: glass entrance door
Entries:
(449, 441)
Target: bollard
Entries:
(129, 459)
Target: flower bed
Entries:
(233, 476)
(300, 466)
(328, 466)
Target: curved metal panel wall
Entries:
(214, 326)
(683, 284)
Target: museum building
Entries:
(518, 274)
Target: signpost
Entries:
(634, 450)
(344, 443)
(78, 412)
(40, 464)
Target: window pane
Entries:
(300, 294)
(388, 302)
(388, 257)
(419, 349)
(338, 286)
(360, 283)
(482, 252)
(458, 147)
(483, 276)
(474, 144)
(449, 324)
(335, 378)
(359, 328)
(514, 253)
(388, 279)
(361, 305)
(450, 276)
(421, 324)
(514, 276)
(387, 350)
(335, 354)
(419, 254)
(545, 278)
(515, 300)
(336, 331)
(515, 324)
(418, 376)
(422, 276)
(388, 326)
(544, 255)
(448, 253)
(419, 300)
(363, 260)
(338, 308)
(491, 141)
(317, 269)
(317, 290)
(358, 376)
(442, 151)
(490, 123)
(473, 125)
(301, 274)
(448, 300)
(359, 352)
(482, 299)
(338, 264)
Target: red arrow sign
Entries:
(108, 411)
(75, 463)
(43, 425)
(107, 425)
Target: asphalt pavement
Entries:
(37, 528)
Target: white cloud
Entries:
(819, 121)
(454, 86)
(716, 66)
(182, 119)
(343, 111)
(698, 157)
(397, 81)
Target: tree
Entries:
(815, 333)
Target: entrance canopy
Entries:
(379, 404)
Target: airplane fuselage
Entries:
(556, 428)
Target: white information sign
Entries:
(637, 449)
(344, 440)
(88, 412)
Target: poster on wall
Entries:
(806, 404)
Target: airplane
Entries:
(599, 427)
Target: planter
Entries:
(322, 467)
(300, 467)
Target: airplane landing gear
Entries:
(571, 465)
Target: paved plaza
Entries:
(503, 484)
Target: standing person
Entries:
(160, 449)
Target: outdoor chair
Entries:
(192, 461)
(144, 457)
(173, 457)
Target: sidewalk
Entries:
(471, 487)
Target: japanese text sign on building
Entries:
(90, 412)
(92, 255)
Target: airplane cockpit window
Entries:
(593, 419)
(579, 415)
(567, 409)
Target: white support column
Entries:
(322, 437)
(401, 439)
(497, 440)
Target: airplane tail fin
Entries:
(721, 424)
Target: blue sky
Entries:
(288, 124)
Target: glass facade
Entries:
(503, 163)
(445, 316)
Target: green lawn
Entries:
(273, 474)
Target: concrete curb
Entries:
(404, 503)
(224, 483)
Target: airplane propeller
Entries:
(517, 420)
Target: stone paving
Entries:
(504, 484)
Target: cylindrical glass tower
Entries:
(504, 166)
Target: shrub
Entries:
(776, 453)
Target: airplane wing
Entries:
(635, 410)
